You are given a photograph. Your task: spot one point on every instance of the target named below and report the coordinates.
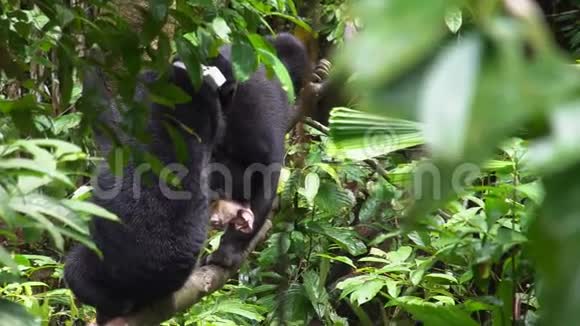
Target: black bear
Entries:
(153, 250)
(247, 162)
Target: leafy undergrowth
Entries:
(340, 250)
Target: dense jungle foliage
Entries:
(437, 182)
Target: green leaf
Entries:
(89, 208)
(20, 163)
(332, 198)
(266, 55)
(533, 190)
(61, 147)
(446, 98)
(167, 94)
(188, 54)
(418, 273)
(49, 227)
(505, 293)
(82, 193)
(297, 21)
(241, 309)
(495, 208)
(178, 141)
(509, 238)
(378, 207)
(65, 71)
(118, 158)
(311, 186)
(39, 204)
(361, 289)
(374, 260)
(221, 29)
(562, 148)
(259, 42)
(6, 260)
(315, 292)
(555, 239)
(14, 314)
(458, 166)
(498, 165)
(344, 237)
(329, 170)
(25, 103)
(81, 237)
(342, 259)
(63, 15)
(393, 288)
(422, 23)
(66, 122)
(279, 69)
(358, 136)
(399, 256)
(400, 268)
(367, 291)
(444, 300)
(446, 278)
(440, 315)
(454, 19)
(158, 167)
(420, 238)
(40, 155)
(475, 305)
(378, 252)
(244, 60)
